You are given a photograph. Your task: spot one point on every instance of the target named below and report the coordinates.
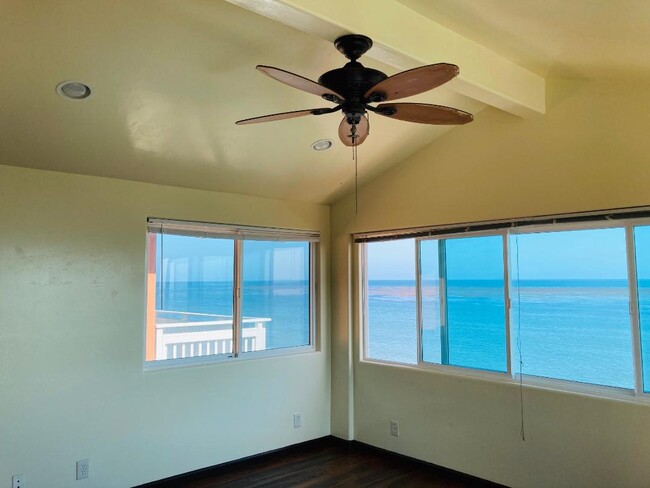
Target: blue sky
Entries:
(642, 244)
(208, 259)
(588, 254)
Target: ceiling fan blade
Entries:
(424, 113)
(300, 82)
(413, 81)
(345, 132)
(281, 116)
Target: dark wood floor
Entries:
(324, 463)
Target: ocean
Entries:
(576, 330)
(285, 303)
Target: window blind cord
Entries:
(162, 269)
(521, 361)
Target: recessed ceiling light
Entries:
(321, 145)
(73, 89)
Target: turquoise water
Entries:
(285, 303)
(576, 330)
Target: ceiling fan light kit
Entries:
(353, 88)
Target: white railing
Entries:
(186, 334)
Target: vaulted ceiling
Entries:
(562, 38)
(169, 79)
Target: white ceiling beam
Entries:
(405, 39)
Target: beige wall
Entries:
(72, 386)
(590, 151)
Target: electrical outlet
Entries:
(83, 469)
(394, 428)
(18, 481)
(297, 420)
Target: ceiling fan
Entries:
(354, 88)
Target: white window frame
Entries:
(511, 376)
(443, 298)
(364, 333)
(238, 234)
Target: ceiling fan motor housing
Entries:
(352, 82)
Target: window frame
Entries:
(234, 233)
(512, 376)
(364, 332)
(443, 298)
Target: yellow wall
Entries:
(590, 151)
(72, 274)
(72, 386)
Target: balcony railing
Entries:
(187, 334)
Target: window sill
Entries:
(164, 364)
(528, 382)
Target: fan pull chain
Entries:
(354, 137)
(356, 178)
(355, 156)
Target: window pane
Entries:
(431, 325)
(570, 306)
(391, 319)
(275, 291)
(193, 298)
(476, 303)
(642, 245)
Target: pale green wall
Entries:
(590, 151)
(72, 386)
